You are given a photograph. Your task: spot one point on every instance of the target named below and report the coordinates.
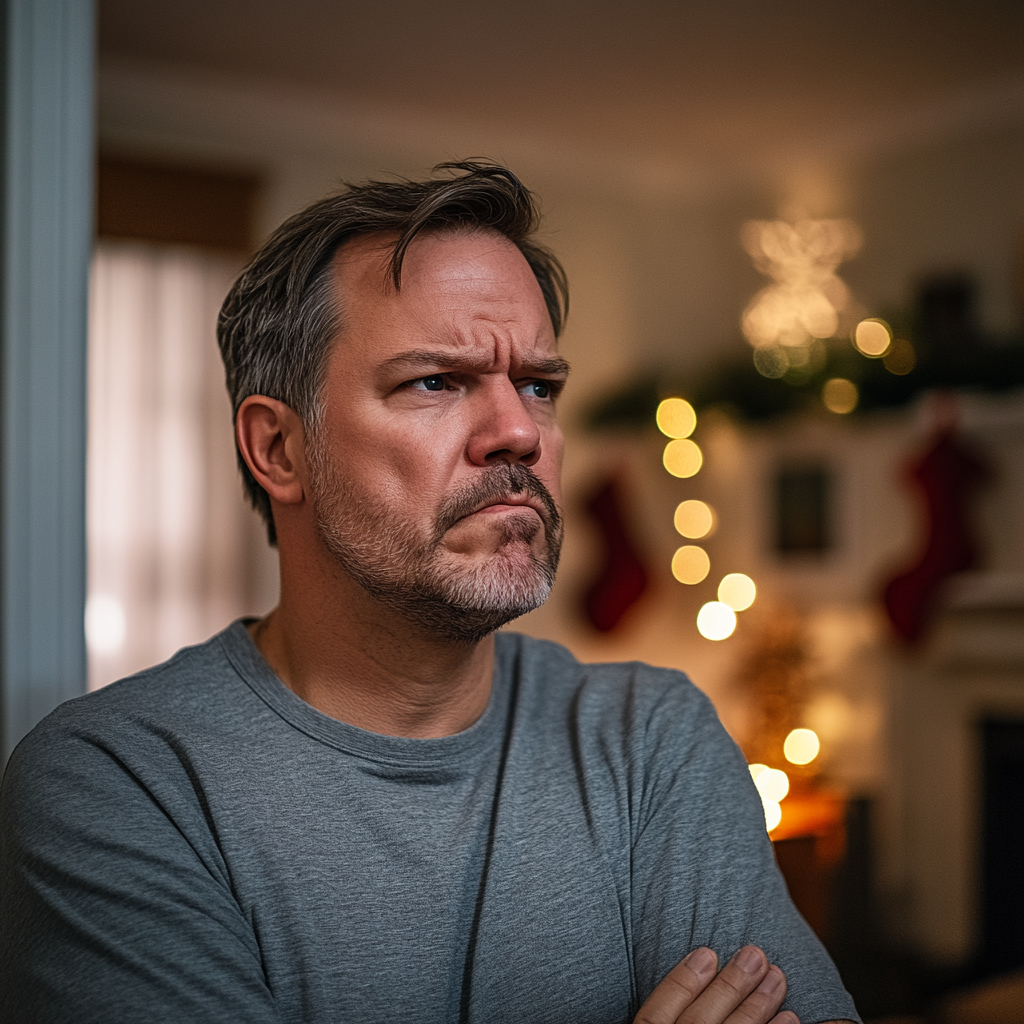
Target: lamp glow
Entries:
(772, 814)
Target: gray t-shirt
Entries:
(196, 843)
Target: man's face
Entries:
(435, 470)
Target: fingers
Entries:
(747, 991)
(740, 977)
(764, 1001)
(679, 988)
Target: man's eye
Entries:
(435, 383)
(539, 389)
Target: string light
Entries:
(675, 418)
(801, 746)
(738, 591)
(690, 564)
(772, 784)
(694, 519)
(772, 814)
(716, 621)
(872, 337)
(682, 458)
(840, 395)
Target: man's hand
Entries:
(748, 990)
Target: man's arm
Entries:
(703, 868)
(110, 910)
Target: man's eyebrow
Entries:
(422, 358)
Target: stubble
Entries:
(415, 575)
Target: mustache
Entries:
(499, 481)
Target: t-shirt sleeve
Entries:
(704, 871)
(113, 908)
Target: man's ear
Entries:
(272, 441)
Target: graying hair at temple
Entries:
(278, 321)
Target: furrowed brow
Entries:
(426, 360)
(556, 367)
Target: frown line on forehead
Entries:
(429, 359)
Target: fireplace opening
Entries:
(1002, 838)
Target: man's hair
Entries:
(277, 323)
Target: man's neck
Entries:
(353, 658)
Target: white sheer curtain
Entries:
(174, 551)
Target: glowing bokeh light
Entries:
(676, 418)
(771, 361)
(737, 591)
(840, 395)
(756, 768)
(772, 784)
(806, 296)
(682, 458)
(690, 564)
(872, 338)
(801, 746)
(105, 624)
(716, 621)
(901, 357)
(694, 519)
(772, 814)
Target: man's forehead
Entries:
(460, 289)
(435, 260)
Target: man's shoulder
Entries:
(551, 672)
(197, 683)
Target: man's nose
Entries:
(503, 429)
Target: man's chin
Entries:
(486, 534)
(465, 604)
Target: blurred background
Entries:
(794, 235)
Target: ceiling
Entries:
(710, 80)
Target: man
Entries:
(366, 806)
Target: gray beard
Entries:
(406, 572)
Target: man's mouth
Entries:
(501, 490)
(510, 502)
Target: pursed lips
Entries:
(503, 503)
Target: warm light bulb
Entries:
(690, 564)
(682, 457)
(840, 395)
(694, 519)
(716, 621)
(801, 746)
(772, 814)
(772, 784)
(872, 337)
(675, 417)
(737, 591)
(756, 768)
